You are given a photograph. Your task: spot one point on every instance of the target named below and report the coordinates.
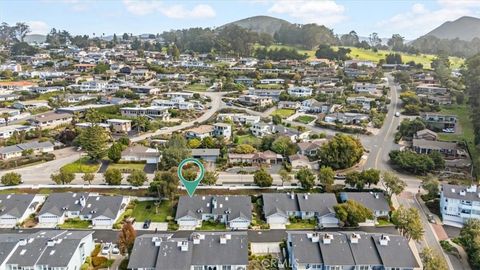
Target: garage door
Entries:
(276, 220)
(241, 225)
(187, 222)
(102, 222)
(8, 221)
(48, 219)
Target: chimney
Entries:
(214, 203)
(463, 192)
(224, 238)
(83, 202)
(327, 238)
(384, 239)
(305, 196)
(196, 238)
(183, 245)
(354, 237)
(315, 237)
(292, 195)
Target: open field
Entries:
(248, 139)
(283, 113)
(369, 55)
(83, 165)
(127, 166)
(148, 210)
(305, 119)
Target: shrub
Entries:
(99, 261)
(96, 250)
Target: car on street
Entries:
(115, 249)
(431, 219)
(106, 248)
(146, 224)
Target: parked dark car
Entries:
(146, 224)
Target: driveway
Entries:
(154, 226)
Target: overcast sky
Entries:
(408, 18)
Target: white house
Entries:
(459, 204)
(141, 153)
(365, 88)
(16, 208)
(300, 91)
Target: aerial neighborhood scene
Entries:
(240, 135)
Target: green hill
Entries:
(260, 24)
(464, 28)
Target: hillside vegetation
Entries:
(369, 55)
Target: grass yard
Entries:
(301, 224)
(75, 224)
(284, 113)
(127, 166)
(197, 87)
(147, 210)
(212, 226)
(383, 223)
(83, 165)
(369, 55)
(305, 119)
(248, 139)
(463, 114)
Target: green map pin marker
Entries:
(191, 186)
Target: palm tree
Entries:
(6, 117)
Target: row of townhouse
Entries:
(102, 211)
(17, 150)
(349, 251)
(48, 249)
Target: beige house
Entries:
(120, 125)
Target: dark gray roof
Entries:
(343, 251)
(234, 206)
(280, 203)
(321, 203)
(168, 255)
(373, 201)
(58, 203)
(36, 251)
(25, 146)
(107, 206)
(6, 248)
(456, 191)
(15, 205)
(396, 253)
(305, 250)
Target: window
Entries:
(226, 267)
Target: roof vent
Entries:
(197, 237)
(315, 237)
(292, 195)
(305, 196)
(183, 245)
(453, 190)
(50, 243)
(463, 192)
(354, 237)
(327, 238)
(224, 238)
(22, 242)
(384, 239)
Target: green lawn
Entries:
(198, 87)
(75, 224)
(248, 139)
(305, 119)
(83, 165)
(301, 224)
(383, 223)
(284, 113)
(127, 166)
(369, 55)
(212, 226)
(463, 114)
(147, 210)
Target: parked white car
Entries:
(106, 248)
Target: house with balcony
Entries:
(459, 204)
(365, 88)
(300, 91)
(437, 121)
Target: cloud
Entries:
(419, 20)
(75, 5)
(326, 12)
(175, 11)
(38, 27)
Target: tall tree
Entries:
(115, 152)
(306, 178)
(341, 152)
(262, 178)
(392, 183)
(165, 184)
(62, 177)
(326, 177)
(174, 151)
(351, 213)
(408, 222)
(126, 238)
(432, 260)
(93, 140)
(285, 176)
(374, 40)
